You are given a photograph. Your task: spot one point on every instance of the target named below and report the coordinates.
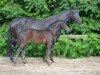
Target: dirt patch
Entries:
(61, 66)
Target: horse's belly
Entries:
(36, 40)
(39, 39)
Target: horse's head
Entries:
(75, 15)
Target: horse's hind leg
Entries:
(23, 56)
(19, 50)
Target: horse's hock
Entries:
(61, 66)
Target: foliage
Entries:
(35, 50)
(88, 46)
(44, 8)
(12, 10)
(3, 38)
(85, 28)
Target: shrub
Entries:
(74, 48)
(3, 39)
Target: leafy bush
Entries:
(43, 8)
(85, 28)
(3, 39)
(35, 50)
(88, 46)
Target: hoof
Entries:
(24, 61)
(25, 64)
(15, 64)
(12, 61)
(44, 60)
(52, 61)
(49, 63)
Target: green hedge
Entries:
(42, 8)
(75, 48)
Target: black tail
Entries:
(10, 45)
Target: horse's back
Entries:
(20, 20)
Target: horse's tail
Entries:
(10, 45)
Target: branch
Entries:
(74, 36)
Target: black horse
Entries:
(20, 24)
(46, 36)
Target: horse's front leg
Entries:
(48, 53)
(44, 60)
(66, 28)
(52, 47)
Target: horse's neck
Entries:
(65, 16)
(55, 30)
(68, 17)
(50, 20)
(52, 17)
